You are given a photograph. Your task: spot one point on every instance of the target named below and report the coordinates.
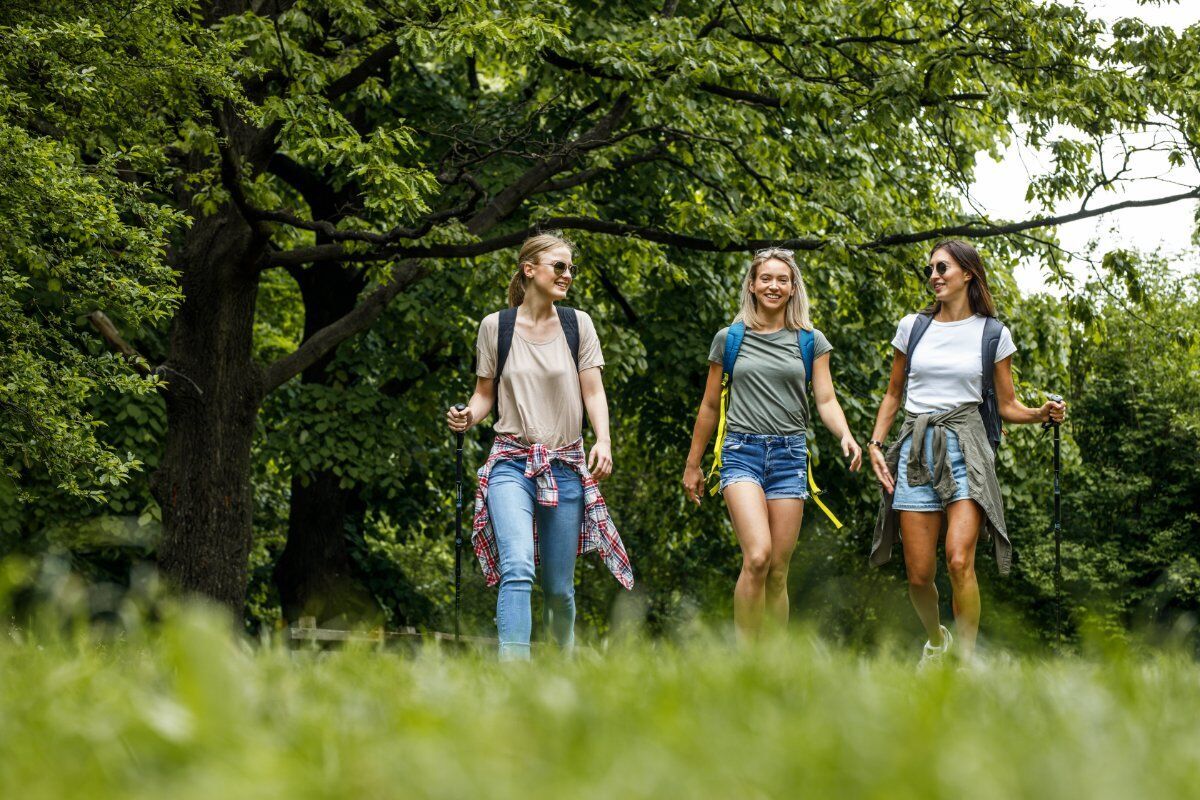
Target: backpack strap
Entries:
(570, 325)
(808, 345)
(992, 329)
(508, 324)
(504, 337)
(920, 325)
(807, 341)
(989, 409)
(733, 343)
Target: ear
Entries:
(527, 268)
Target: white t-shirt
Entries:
(946, 370)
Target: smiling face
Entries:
(954, 280)
(773, 285)
(541, 274)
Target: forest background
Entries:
(292, 214)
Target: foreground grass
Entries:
(193, 713)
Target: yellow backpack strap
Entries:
(815, 493)
(716, 465)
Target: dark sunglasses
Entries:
(941, 268)
(560, 267)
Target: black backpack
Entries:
(989, 409)
(508, 323)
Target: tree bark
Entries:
(215, 390)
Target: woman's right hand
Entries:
(879, 464)
(460, 421)
(693, 483)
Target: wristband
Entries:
(876, 443)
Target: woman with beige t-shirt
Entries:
(537, 500)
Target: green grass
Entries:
(191, 712)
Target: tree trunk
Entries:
(315, 575)
(215, 390)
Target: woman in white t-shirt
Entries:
(950, 483)
(537, 500)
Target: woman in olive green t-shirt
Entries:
(763, 457)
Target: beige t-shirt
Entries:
(539, 395)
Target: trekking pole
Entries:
(458, 507)
(1057, 514)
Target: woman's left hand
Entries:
(600, 462)
(1053, 412)
(851, 450)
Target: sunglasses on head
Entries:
(768, 252)
(941, 268)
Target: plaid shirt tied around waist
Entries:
(598, 533)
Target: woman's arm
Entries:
(591, 385)
(477, 408)
(831, 410)
(702, 431)
(1012, 409)
(884, 419)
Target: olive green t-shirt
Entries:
(769, 390)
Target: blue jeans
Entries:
(512, 506)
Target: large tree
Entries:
(80, 232)
(382, 144)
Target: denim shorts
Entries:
(779, 464)
(924, 497)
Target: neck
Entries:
(955, 309)
(537, 306)
(771, 320)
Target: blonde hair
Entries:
(531, 248)
(795, 314)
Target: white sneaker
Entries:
(932, 656)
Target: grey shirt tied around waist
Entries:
(982, 485)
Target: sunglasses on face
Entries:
(560, 267)
(941, 268)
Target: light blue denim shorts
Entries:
(924, 498)
(779, 464)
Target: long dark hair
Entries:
(978, 293)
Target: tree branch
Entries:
(980, 230)
(508, 200)
(353, 322)
(751, 98)
(615, 294)
(365, 69)
(649, 233)
(655, 154)
(105, 327)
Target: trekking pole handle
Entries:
(458, 441)
(1054, 398)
